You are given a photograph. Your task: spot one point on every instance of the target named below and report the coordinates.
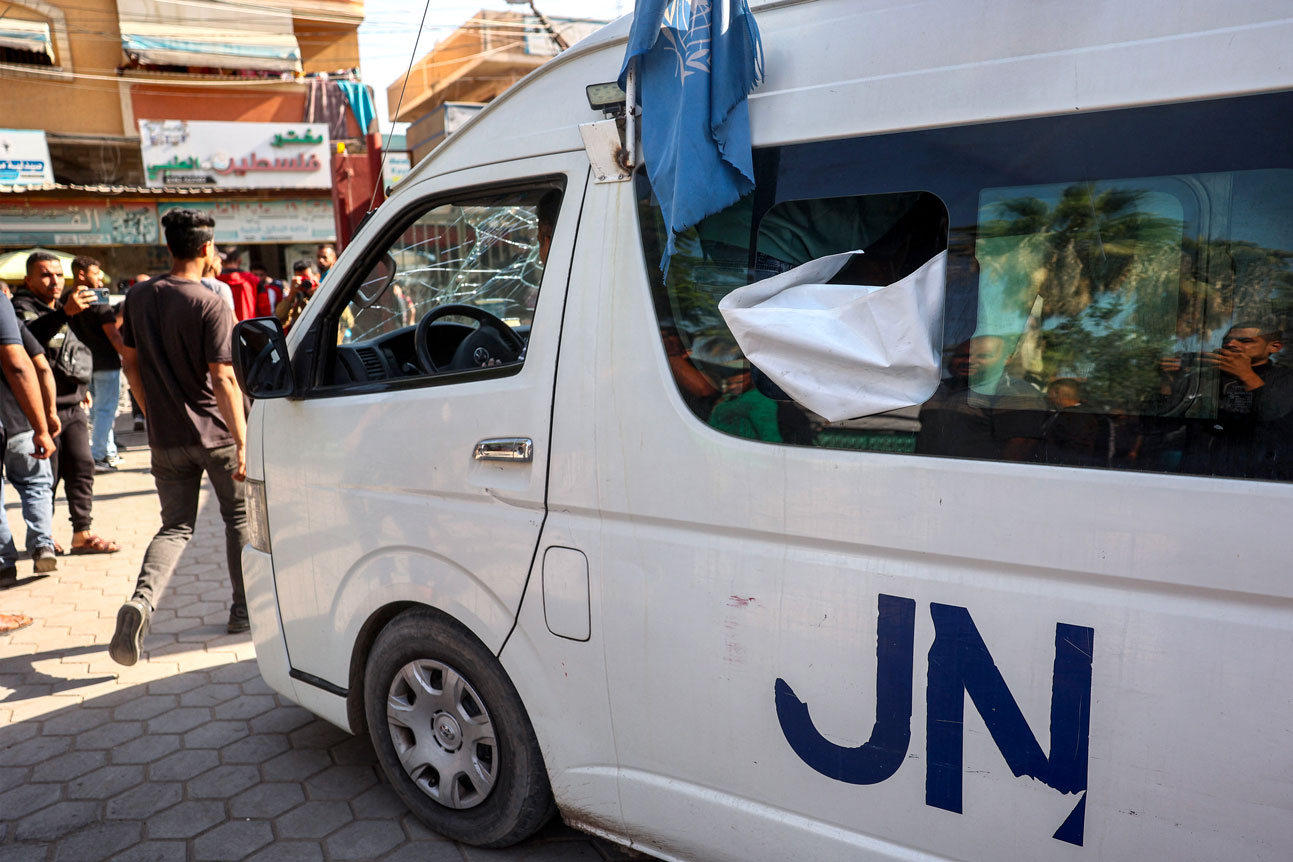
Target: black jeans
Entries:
(178, 474)
(74, 465)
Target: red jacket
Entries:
(243, 287)
(268, 294)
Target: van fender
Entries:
(382, 584)
(562, 684)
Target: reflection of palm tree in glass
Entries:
(1120, 283)
(1091, 241)
(1105, 263)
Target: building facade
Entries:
(471, 67)
(111, 84)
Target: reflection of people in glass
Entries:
(980, 410)
(1238, 405)
(1074, 433)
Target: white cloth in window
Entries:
(843, 350)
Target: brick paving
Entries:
(188, 754)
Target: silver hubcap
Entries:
(442, 733)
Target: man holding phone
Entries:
(96, 327)
(38, 304)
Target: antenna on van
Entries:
(560, 40)
(381, 169)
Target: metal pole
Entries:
(631, 115)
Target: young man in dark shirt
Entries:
(178, 359)
(97, 329)
(37, 305)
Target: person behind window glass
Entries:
(1238, 406)
(545, 225)
(980, 410)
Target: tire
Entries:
(439, 703)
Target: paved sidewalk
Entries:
(188, 754)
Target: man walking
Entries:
(36, 303)
(97, 329)
(178, 359)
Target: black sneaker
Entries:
(43, 559)
(8, 576)
(104, 466)
(238, 620)
(128, 639)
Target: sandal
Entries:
(95, 545)
(13, 622)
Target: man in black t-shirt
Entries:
(37, 305)
(178, 359)
(97, 329)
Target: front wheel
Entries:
(451, 734)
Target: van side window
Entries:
(1109, 301)
(454, 291)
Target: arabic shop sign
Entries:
(70, 224)
(235, 155)
(24, 158)
(238, 222)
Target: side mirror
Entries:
(260, 358)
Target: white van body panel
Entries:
(883, 66)
(721, 568)
(706, 605)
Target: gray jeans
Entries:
(178, 474)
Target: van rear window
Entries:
(1117, 285)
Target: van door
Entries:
(420, 448)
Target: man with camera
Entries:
(299, 290)
(96, 327)
(37, 303)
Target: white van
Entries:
(525, 513)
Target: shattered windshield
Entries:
(486, 255)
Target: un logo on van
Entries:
(959, 665)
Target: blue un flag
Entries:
(697, 62)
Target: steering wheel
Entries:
(491, 340)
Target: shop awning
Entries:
(30, 36)
(216, 35)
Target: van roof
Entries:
(881, 65)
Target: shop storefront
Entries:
(267, 185)
(121, 227)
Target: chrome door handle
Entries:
(515, 449)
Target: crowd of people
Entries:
(63, 352)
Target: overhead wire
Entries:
(381, 169)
